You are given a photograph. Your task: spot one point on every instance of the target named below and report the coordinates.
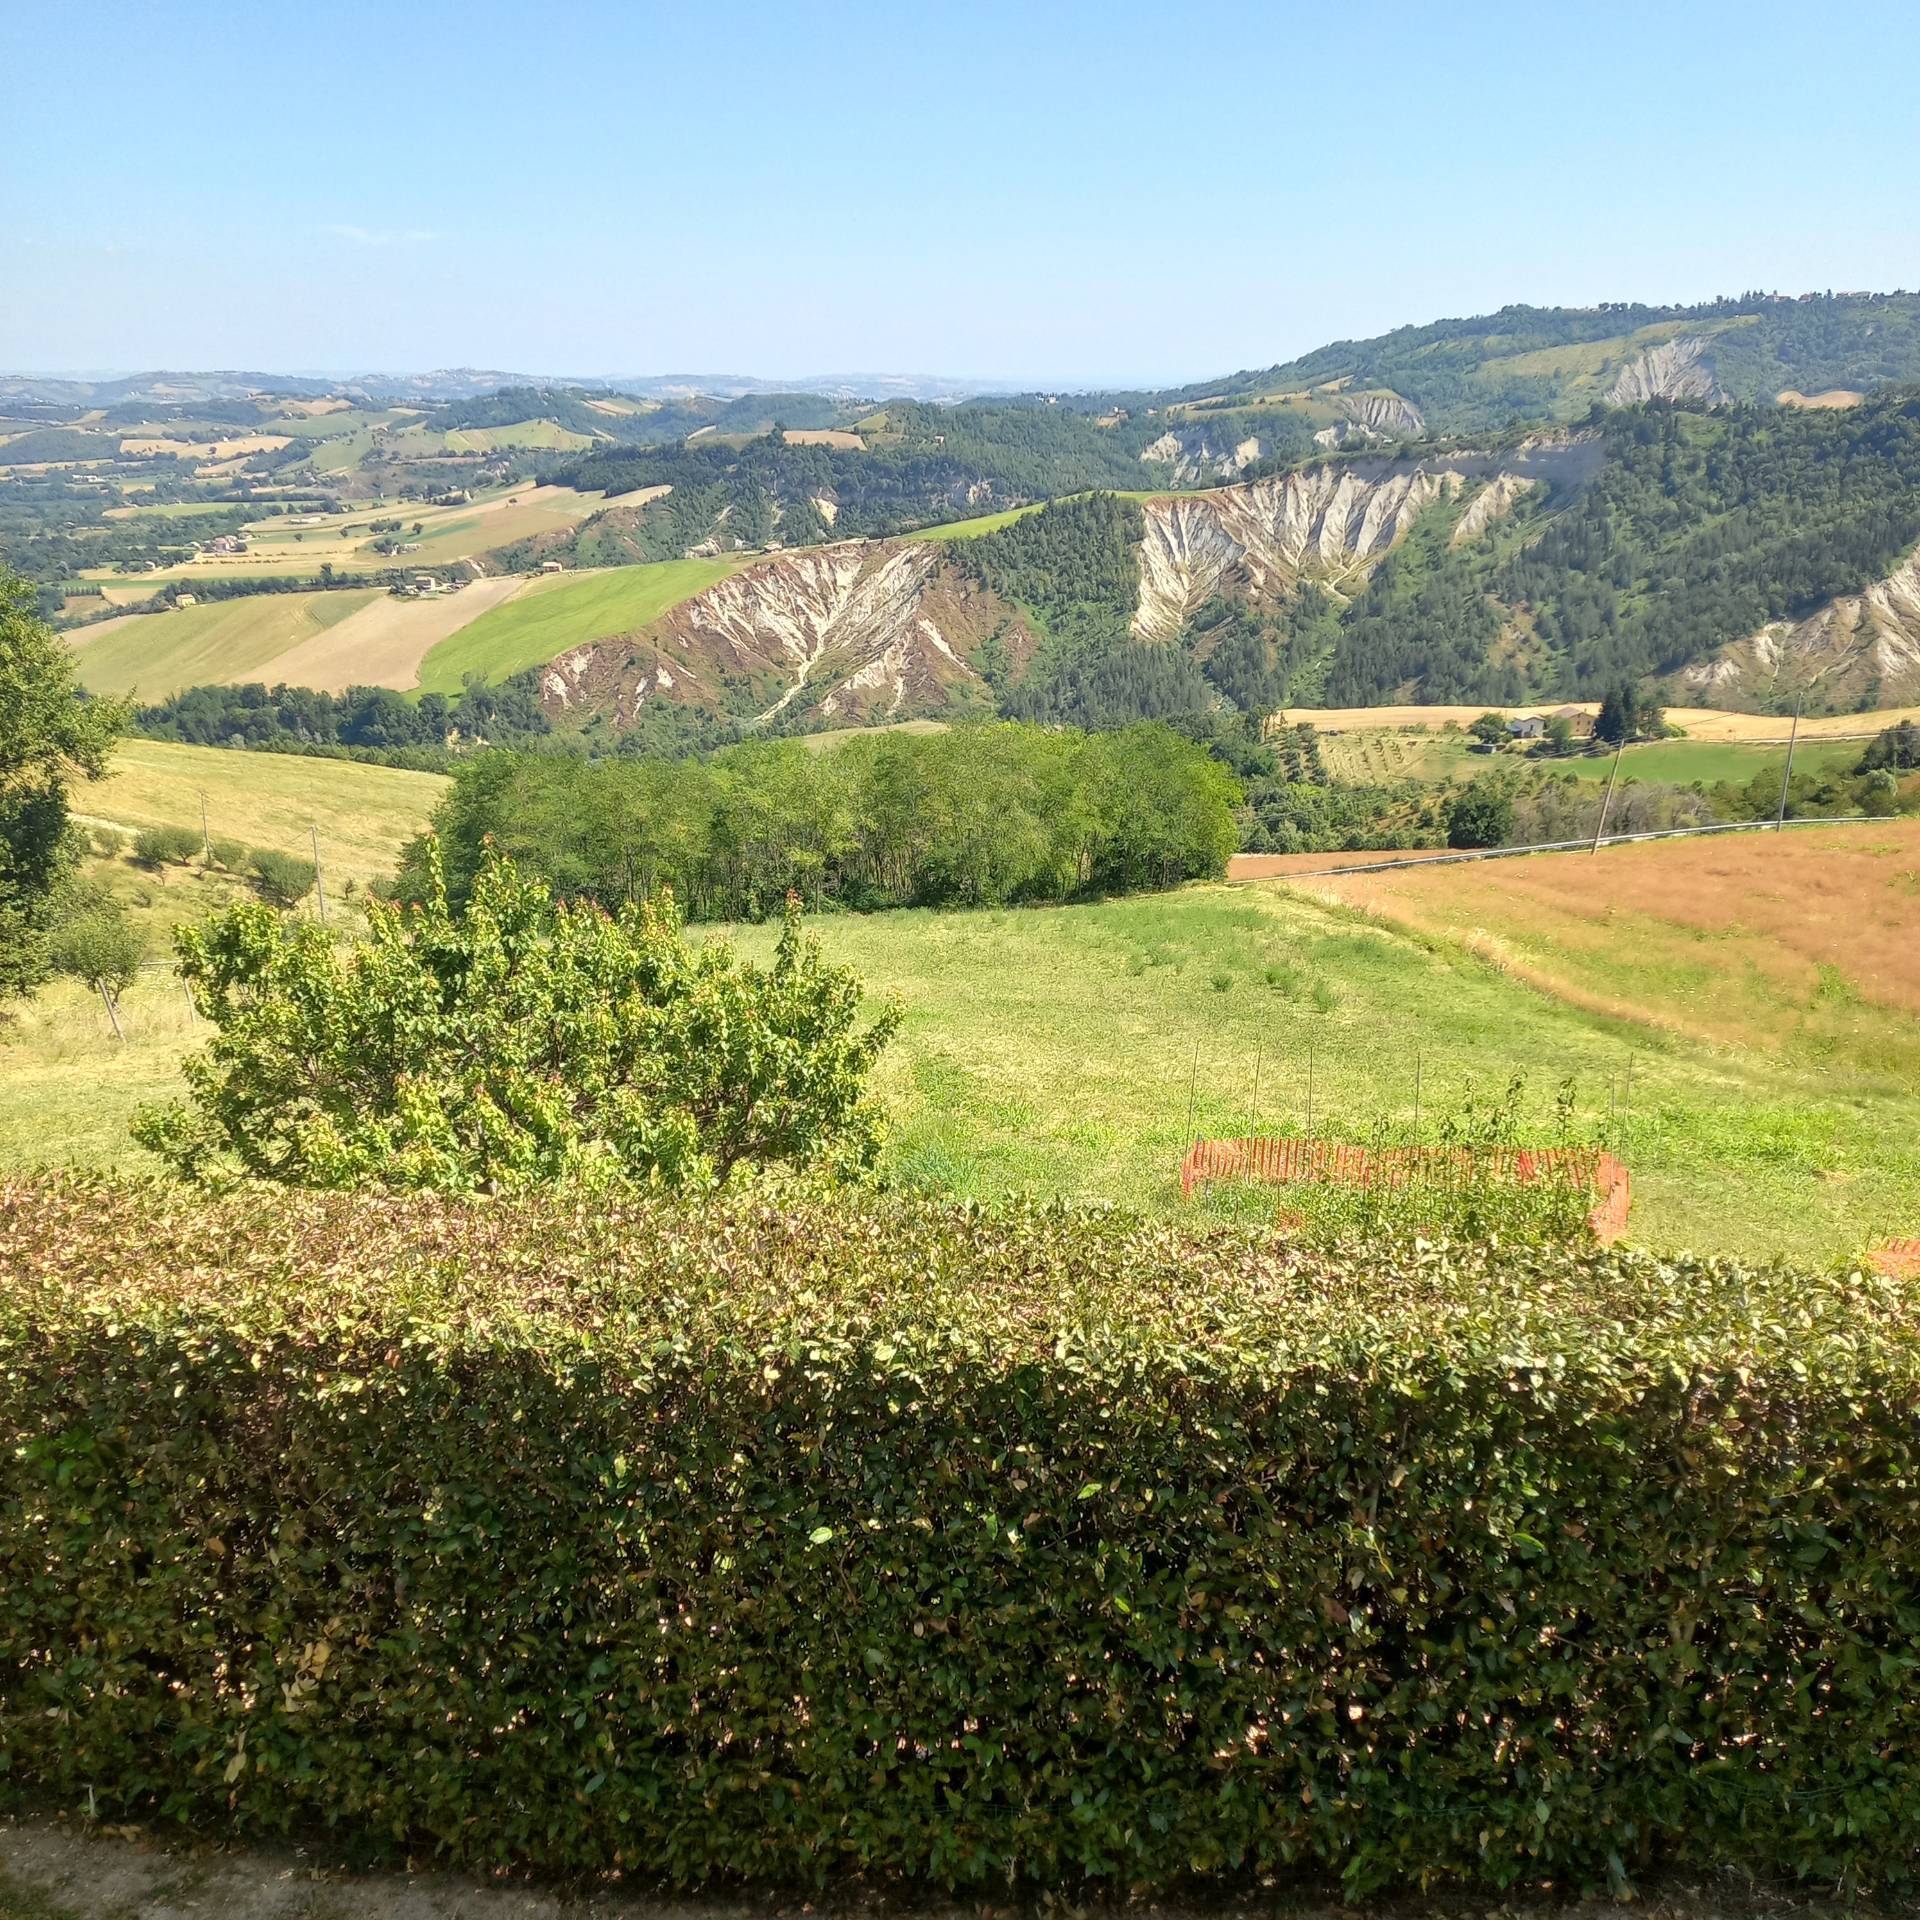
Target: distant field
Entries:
(1709, 761)
(384, 643)
(365, 814)
(562, 610)
(277, 547)
(1698, 723)
(832, 737)
(825, 437)
(971, 529)
(219, 641)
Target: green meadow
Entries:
(563, 610)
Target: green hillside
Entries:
(560, 611)
(1540, 363)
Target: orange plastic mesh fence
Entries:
(1900, 1259)
(1282, 1162)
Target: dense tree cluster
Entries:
(1703, 527)
(979, 816)
(374, 719)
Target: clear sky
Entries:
(1036, 191)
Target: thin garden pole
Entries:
(319, 879)
(1193, 1089)
(113, 1013)
(206, 835)
(1253, 1108)
(1416, 1097)
(193, 1012)
(1628, 1114)
(1309, 1089)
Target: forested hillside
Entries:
(1541, 363)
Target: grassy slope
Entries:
(365, 814)
(561, 611)
(1051, 1050)
(218, 641)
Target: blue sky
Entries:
(1047, 192)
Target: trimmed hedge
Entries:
(775, 1541)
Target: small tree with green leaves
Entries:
(284, 878)
(102, 947)
(1491, 730)
(49, 738)
(1480, 815)
(520, 1041)
(165, 846)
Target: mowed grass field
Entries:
(1804, 944)
(560, 610)
(217, 642)
(1055, 1051)
(365, 814)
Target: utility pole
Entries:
(319, 879)
(1606, 804)
(206, 838)
(1786, 779)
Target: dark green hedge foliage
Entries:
(778, 1541)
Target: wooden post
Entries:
(1606, 804)
(1253, 1110)
(113, 1012)
(1786, 779)
(319, 879)
(1309, 1089)
(206, 837)
(1416, 1096)
(1193, 1088)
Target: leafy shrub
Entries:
(231, 854)
(284, 878)
(773, 1540)
(522, 1040)
(100, 946)
(165, 846)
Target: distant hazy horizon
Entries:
(1059, 197)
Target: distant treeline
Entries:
(986, 815)
(366, 720)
